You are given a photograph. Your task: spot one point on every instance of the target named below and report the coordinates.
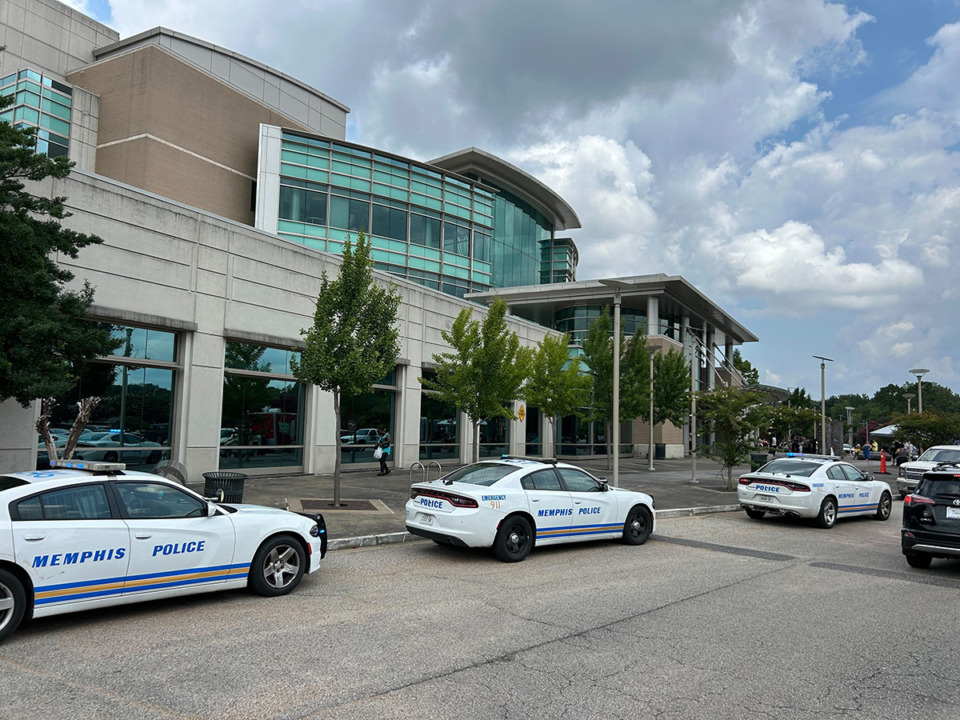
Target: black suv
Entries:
(931, 517)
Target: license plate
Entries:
(766, 498)
(953, 513)
(426, 519)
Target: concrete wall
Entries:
(168, 265)
(48, 36)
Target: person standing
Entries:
(384, 445)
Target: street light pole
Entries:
(849, 409)
(617, 286)
(823, 402)
(919, 372)
(908, 397)
(650, 448)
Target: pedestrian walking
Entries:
(384, 447)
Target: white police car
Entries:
(512, 504)
(89, 535)
(819, 487)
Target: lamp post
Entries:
(919, 372)
(617, 287)
(908, 397)
(823, 402)
(849, 409)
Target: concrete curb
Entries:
(401, 537)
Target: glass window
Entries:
(541, 480)
(424, 231)
(158, 500)
(389, 222)
(835, 473)
(578, 481)
(481, 246)
(485, 474)
(259, 358)
(145, 344)
(349, 213)
(851, 473)
(87, 502)
(372, 409)
(456, 239)
(439, 427)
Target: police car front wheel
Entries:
(13, 603)
(278, 566)
(637, 528)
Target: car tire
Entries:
(110, 457)
(278, 566)
(514, 539)
(638, 525)
(916, 560)
(13, 603)
(755, 514)
(827, 517)
(884, 507)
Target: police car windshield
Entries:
(803, 468)
(480, 474)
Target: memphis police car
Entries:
(512, 504)
(89, 535)
(819, 487)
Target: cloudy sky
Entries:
(797, 160)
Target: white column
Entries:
(653, 315)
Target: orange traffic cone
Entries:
(883, 463)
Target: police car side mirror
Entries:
(868, 476)
(603, 485)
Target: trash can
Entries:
(659, 451)
(230, 482)
(757, 460)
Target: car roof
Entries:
(62, 476)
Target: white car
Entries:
(114, 447)
(818, 487)
(90, 535)
(513, 504)
(909, 473)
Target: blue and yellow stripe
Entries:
(579, 530)
(135, 584)
(857, 508)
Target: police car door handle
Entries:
(143, 536)
(33, 538)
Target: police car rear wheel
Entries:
(755, 514)
(13, 603)
(514, 539)
(827, 516)
(883, 507)
(637, 528)
(277, 567)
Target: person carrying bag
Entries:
(383, 452)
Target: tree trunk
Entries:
(86, 408)
(43, 427)
(336, 449)
(476, 440)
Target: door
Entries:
(844, 489)
(550, 505)
(174, 545)
(74, 546)
(595, 511)
(867, 494)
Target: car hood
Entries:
(263, 510)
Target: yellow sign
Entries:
(521, 413)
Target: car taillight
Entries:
(462, 501)
(746, 481)
(797, 487)
(915, 499)
(455, 500)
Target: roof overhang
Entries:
(540, 303)
(513, 179)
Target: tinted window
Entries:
(940, 487)
(835, 473)
(158, 500)
(852, 473)
(578, 481)
(791, 467)
(87, 502)
(541, 480)
(7, 482)
(480, 474)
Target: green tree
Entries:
(799, 398)
(44, 334)
(671, 387)
(733, 414)
(750, 375)
(634, 373)
(556, 384)
(928, 428)
(485, 372)
(354, 340)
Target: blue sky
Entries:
(795, 159)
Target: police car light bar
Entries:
(88, 465)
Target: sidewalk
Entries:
(372, 508)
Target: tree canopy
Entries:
(733, 414)
(44, 334)
(750, 375)
(354, 341)
(556, 385)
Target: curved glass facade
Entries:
(577, 320)
(425, 225)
